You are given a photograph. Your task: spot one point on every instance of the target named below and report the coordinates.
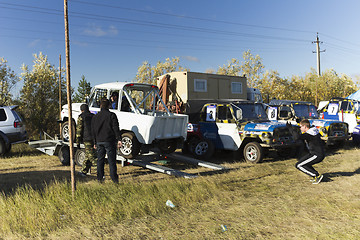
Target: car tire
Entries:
(202, 149)
(79, 157)
(65, 133)
(8, 149)
(189, 146)
(2, 147)
(130, 147)
(253, 152)
(167, 146)
(64, 155)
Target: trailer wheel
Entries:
(79, 157)
(130, 145)
(253, 152)
(202, 149)
(64, 155)
(167, 146)
(65, 131)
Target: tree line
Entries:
(39, 96)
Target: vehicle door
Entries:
(227, 128)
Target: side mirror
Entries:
(239, 114)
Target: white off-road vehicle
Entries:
(142, 124)
(12, 129)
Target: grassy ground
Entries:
(271, 200)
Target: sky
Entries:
(110, 39)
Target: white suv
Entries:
(12, 129)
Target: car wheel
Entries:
(79, 157)
(253, 152)
(130, 147)
(2, 147)
(167, 146)
(65, 131)
(189, 146)
(64, 155)
(8, 149)
(203, 149)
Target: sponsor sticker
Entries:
(262, 127)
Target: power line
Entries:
(191, 17)
(150, 23)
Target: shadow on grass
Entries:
(36, 180)
(342, 174)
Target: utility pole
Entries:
(60, 92)
(68, 85)
(318, 53)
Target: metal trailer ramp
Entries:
(48, 146)
(54, 147)
(146, 160)
(197, 162)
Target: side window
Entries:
(2, 115)
(200, 85)
(284, 112)
(344, 106)
(16, 115)
(96, 98)
(114, 99)
(224, 113)
(236, 88)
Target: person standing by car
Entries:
(314, 152)
(106, 135)
(84, 135)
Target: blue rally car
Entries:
(333, 132)
(237, 125)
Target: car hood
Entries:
(74, 106)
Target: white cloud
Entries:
(34, 43)
(191, 58)
(98, 31)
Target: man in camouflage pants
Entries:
(84, 135)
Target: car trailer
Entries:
(60, 148)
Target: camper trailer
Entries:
(201, 86)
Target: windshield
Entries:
(306, 111)
(247, 112)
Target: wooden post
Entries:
(68, 86)
(60, 107)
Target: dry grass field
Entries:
(271, 200)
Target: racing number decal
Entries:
(272, 113)
(210, 113)
(333, 108)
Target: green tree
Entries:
(251, 67)
(83, 90)
(271, 85)
(8, 80)
(148, 74)
(39, 96)
(232, 68)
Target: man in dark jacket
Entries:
(315, 150)
(84, 135)
(106, 135)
